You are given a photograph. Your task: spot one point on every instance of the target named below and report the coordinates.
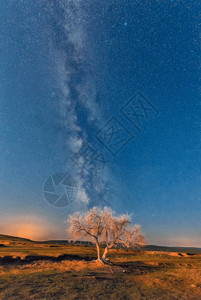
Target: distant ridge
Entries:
(146, 248)
(13, 238)
(9, 238)
(170, 248)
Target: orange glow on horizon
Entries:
(32, 227)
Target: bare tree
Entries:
(101, 226)
(89, 226)
(118, 232)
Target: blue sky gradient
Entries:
(66, 68)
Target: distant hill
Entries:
(6, 240)
(146, 248)
(171, 249)
(12, 240)
(4, 237)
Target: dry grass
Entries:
(46, 272)
(41, 266)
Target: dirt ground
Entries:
(36, 271)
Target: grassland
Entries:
(31, 270)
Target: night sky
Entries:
(108, 93)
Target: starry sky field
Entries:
(100, 106)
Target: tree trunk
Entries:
(105, 253)
(98, 250)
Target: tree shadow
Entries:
(31, 258)
(139, 267)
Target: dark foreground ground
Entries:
(30, 270)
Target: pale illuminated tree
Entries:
(101, 226)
